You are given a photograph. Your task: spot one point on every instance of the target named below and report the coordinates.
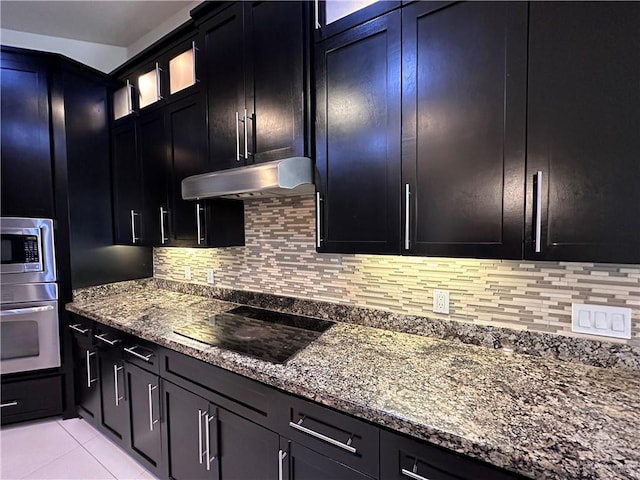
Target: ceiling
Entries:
(118, 23)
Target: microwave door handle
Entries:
(24, 311)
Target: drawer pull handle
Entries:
(131, 350)
(77, 328)
(9, 404)
(410, 474)
(105, 340)
(346, 446)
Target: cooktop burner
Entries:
(264, 334)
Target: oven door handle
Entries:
(24, 311)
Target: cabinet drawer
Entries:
(341, 437)
(238, 394)
(405, 458)
(80, 326)
(30, 399)
(141, 353)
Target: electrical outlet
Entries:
(187, 273)
(211, 276)
(441, 301)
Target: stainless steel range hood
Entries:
(291, 176)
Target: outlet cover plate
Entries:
(601, 320)
(211, 276)
(440, 301)
(187, 273)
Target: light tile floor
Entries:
(65, 450)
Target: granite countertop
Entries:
(538, 417)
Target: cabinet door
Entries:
(301, 463)
(358, 139)
(27, 181)
(184, 433)
(186, 144)
(152, 156)
(86, 377)
(584, 132)
(464, 81)
(114, 405)
(224, 76)
(127, 184)
(245, 450)
(144, 416)
(275, 70)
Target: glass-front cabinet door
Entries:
(149, 87)
(182, 70)
(123, 101)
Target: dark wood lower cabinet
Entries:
(302, 463)
(185, 417)
(245, 449)
(29, 398)
(145, 443)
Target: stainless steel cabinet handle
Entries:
(407, 208)
(163, 236)
(281, 456)
(313, 433)
(194, 50)
(538, 226)
(9, 404)
(89, 379)
(130, 96)
(134, 214)
(23, 311)
(77, 328)
(131, 350)
(410, 474)
(316, 18)
(158, 93)
(152, 422)
(318, 220)
(109, 342)
(237, 136)
(246, 141)
(201, 452)
(116, 369)
(208, 420)
(199, 210)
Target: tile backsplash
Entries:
(280, 258)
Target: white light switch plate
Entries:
(187, 273)
(211, 276)
(601, 320)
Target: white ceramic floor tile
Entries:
(27, 448)
(121, 465)
(78, 429)
(77, 464)
(145, 475)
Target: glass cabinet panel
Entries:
(182, 71)
(149, 87)
(337, 9)
(122, 102)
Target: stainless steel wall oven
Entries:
(29, 331)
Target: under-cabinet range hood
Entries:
(291, 176)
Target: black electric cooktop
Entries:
(264, 334)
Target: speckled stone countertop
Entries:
(535, 416)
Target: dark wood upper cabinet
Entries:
(224, 74)
(27, 180)
(358, 138)
(584, 132)
(276, 53)
(463, 129)
(254, 68)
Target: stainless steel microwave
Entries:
(27, 250)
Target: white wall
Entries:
(161, 30)
(97, 55)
